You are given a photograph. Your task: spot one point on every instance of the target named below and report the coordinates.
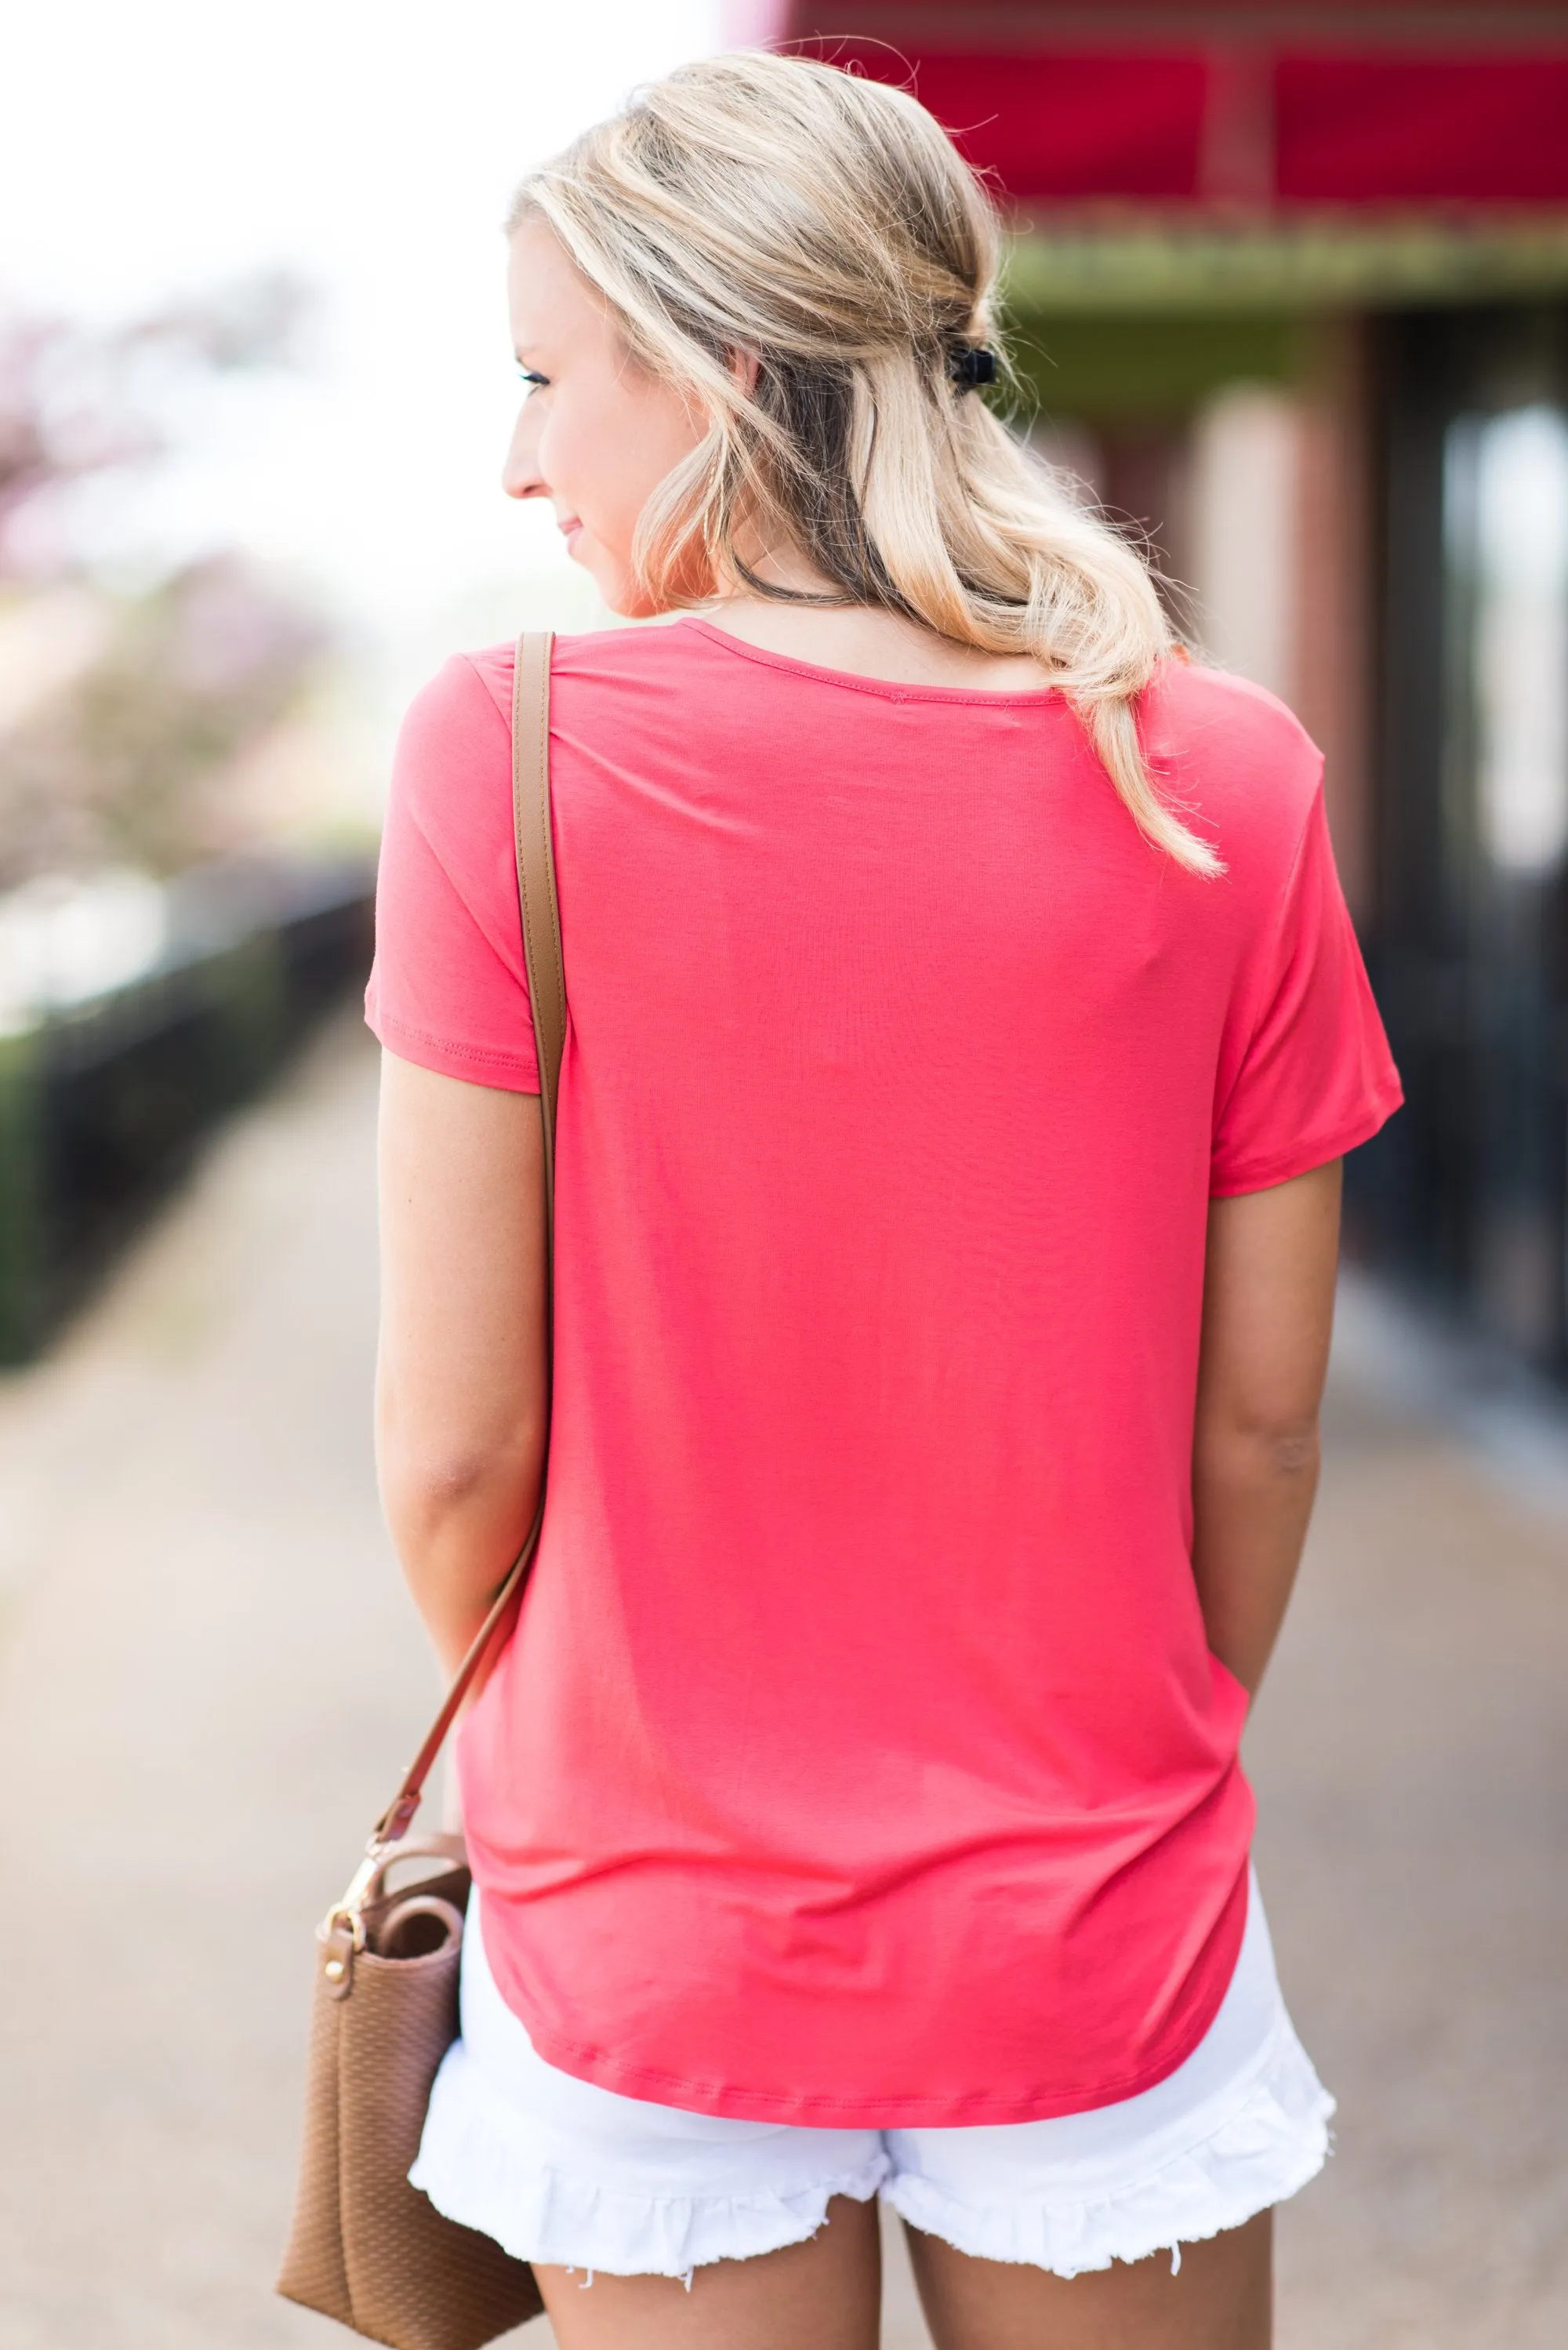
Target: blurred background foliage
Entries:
(129, 759)
(255, 386)
(125, 707)
(170, 920)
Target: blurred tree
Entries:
(125, 763)
(122, 760)
(75, 403)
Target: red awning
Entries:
(1390, 104)
(1396, 129)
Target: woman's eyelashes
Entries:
(532, 380)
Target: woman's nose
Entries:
(520, 475)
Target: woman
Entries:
(965, 1031)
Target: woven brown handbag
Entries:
(366, 2247)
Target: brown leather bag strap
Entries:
(548, 1000)
(537, 877)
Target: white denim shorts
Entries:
(561, 2170)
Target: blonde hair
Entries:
(825, 225)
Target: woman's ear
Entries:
(745, 366)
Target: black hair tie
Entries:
(972, 364)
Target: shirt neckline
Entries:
(886, 688)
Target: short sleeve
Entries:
(1306, 1073)
(448, 989)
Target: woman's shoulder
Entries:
(465, 709)
(1233, 754)
(470, 685)
(451, 772)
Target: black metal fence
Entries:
(102, 1107)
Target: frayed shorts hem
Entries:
(672, 2236)
(571, 2175)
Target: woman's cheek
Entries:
(574, 462)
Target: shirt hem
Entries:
(1263, 1174)
(475, 1064)
(734, 2103)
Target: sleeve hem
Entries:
(1263, 1174)
(476, 1065)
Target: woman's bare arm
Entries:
(460, 1390)
(1268, 1308)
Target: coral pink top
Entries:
(858, 1757)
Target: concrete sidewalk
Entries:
(208, 1677)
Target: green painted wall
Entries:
(1149, 366)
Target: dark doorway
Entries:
(1468, 1192)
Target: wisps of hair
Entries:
(825, 225)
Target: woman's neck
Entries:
(866, 641)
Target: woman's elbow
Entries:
(1283, 1451)
(1296, 1451)
(429, 1485)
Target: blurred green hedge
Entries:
(103, 1106)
